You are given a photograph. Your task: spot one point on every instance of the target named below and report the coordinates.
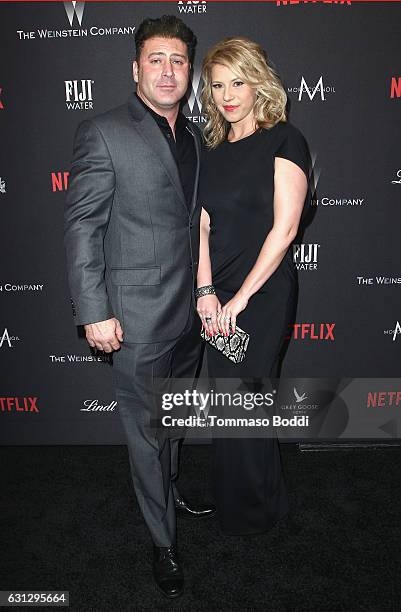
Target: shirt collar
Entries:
(162, 121)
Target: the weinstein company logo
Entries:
(193, 101)
(396, 331)
(19, 404)
(75, 12)
(378, 280)
(305, 256)
(395, 87)
(12, 287)
(346, 202)
(2, 186)
(192, 6)
(59, 359)
(74, 9)
(79, 94)
(7, 340)
(201, 412)
(319, 89)
(311, 331)
(59, 181)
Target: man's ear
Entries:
(135, 69)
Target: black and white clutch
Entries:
(233, 346)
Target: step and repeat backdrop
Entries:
(62, 62)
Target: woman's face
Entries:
(234, 98)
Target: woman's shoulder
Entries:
(291, 144)
(285, 129)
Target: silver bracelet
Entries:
(206, 290)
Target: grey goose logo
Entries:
(298, 397)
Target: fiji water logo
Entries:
(79, 94)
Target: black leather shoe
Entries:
(167, 571)
(184, 509)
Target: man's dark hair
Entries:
(167, 26)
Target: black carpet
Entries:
(69, 520)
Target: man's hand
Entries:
(104, 335)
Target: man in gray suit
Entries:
(132, 242)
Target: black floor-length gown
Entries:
(237, 190)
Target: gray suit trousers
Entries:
(154, 457)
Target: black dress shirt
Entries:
(182, 148)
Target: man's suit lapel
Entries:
(151, 134)
(198, 156)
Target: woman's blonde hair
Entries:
(248, 61)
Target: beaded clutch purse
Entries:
(233, 346)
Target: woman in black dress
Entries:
(253, 186)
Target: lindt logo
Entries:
(94, 406)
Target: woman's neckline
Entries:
(231, 142)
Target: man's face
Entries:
(162, 73)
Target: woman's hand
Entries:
(229, 313)
(208, 307)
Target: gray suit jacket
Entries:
(131, 244)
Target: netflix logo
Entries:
(311, 331)
(382, 399)
(395, 87)
(19, 404)
(292, 2)
(59, 181)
